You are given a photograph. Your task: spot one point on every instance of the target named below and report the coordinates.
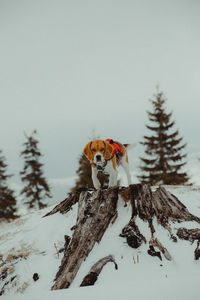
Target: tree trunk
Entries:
(96, 209)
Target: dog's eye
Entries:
(93, 150)
(102, 149)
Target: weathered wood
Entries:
(66, 205)
(168, 208)
(132, 234)
(95, 212)
(155, 243)
(136, 194)
(151, 251)
(197, 251)
(191, 235)
(96, 269)
(188, 234)
(148, 205)
(97, 209)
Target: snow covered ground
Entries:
(30, 244)
(193, 168)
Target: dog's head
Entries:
(98, 151)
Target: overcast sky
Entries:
(68, 68)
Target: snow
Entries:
(35, 240)
(193, 168)
(151, 289)
(38, 238)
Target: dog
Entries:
(106, 156)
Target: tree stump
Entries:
(96, 209)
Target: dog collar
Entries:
(101, 168)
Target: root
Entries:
(92, 276)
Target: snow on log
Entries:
(97, 209)
(148, 205)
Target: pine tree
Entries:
(7, 199)
(37, 188)
(84, 174)
(163, 148)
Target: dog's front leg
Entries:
(95, 180)
(113, 178)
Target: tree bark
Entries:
(64, 206)
(148, 205)
(189, 234)
(97, 209)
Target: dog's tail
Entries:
(130, 146)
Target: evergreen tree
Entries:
(84, 174)
(37, 188)
(163, 148)
(7, 199)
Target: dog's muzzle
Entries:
(98, 158)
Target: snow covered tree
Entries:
(7, 199)
(164, 148)
(37, 188)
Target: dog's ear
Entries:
(108, 151)
(87, 151)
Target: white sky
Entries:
(70, 67)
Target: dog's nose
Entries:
(98, 157)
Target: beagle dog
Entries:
(106, 156)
